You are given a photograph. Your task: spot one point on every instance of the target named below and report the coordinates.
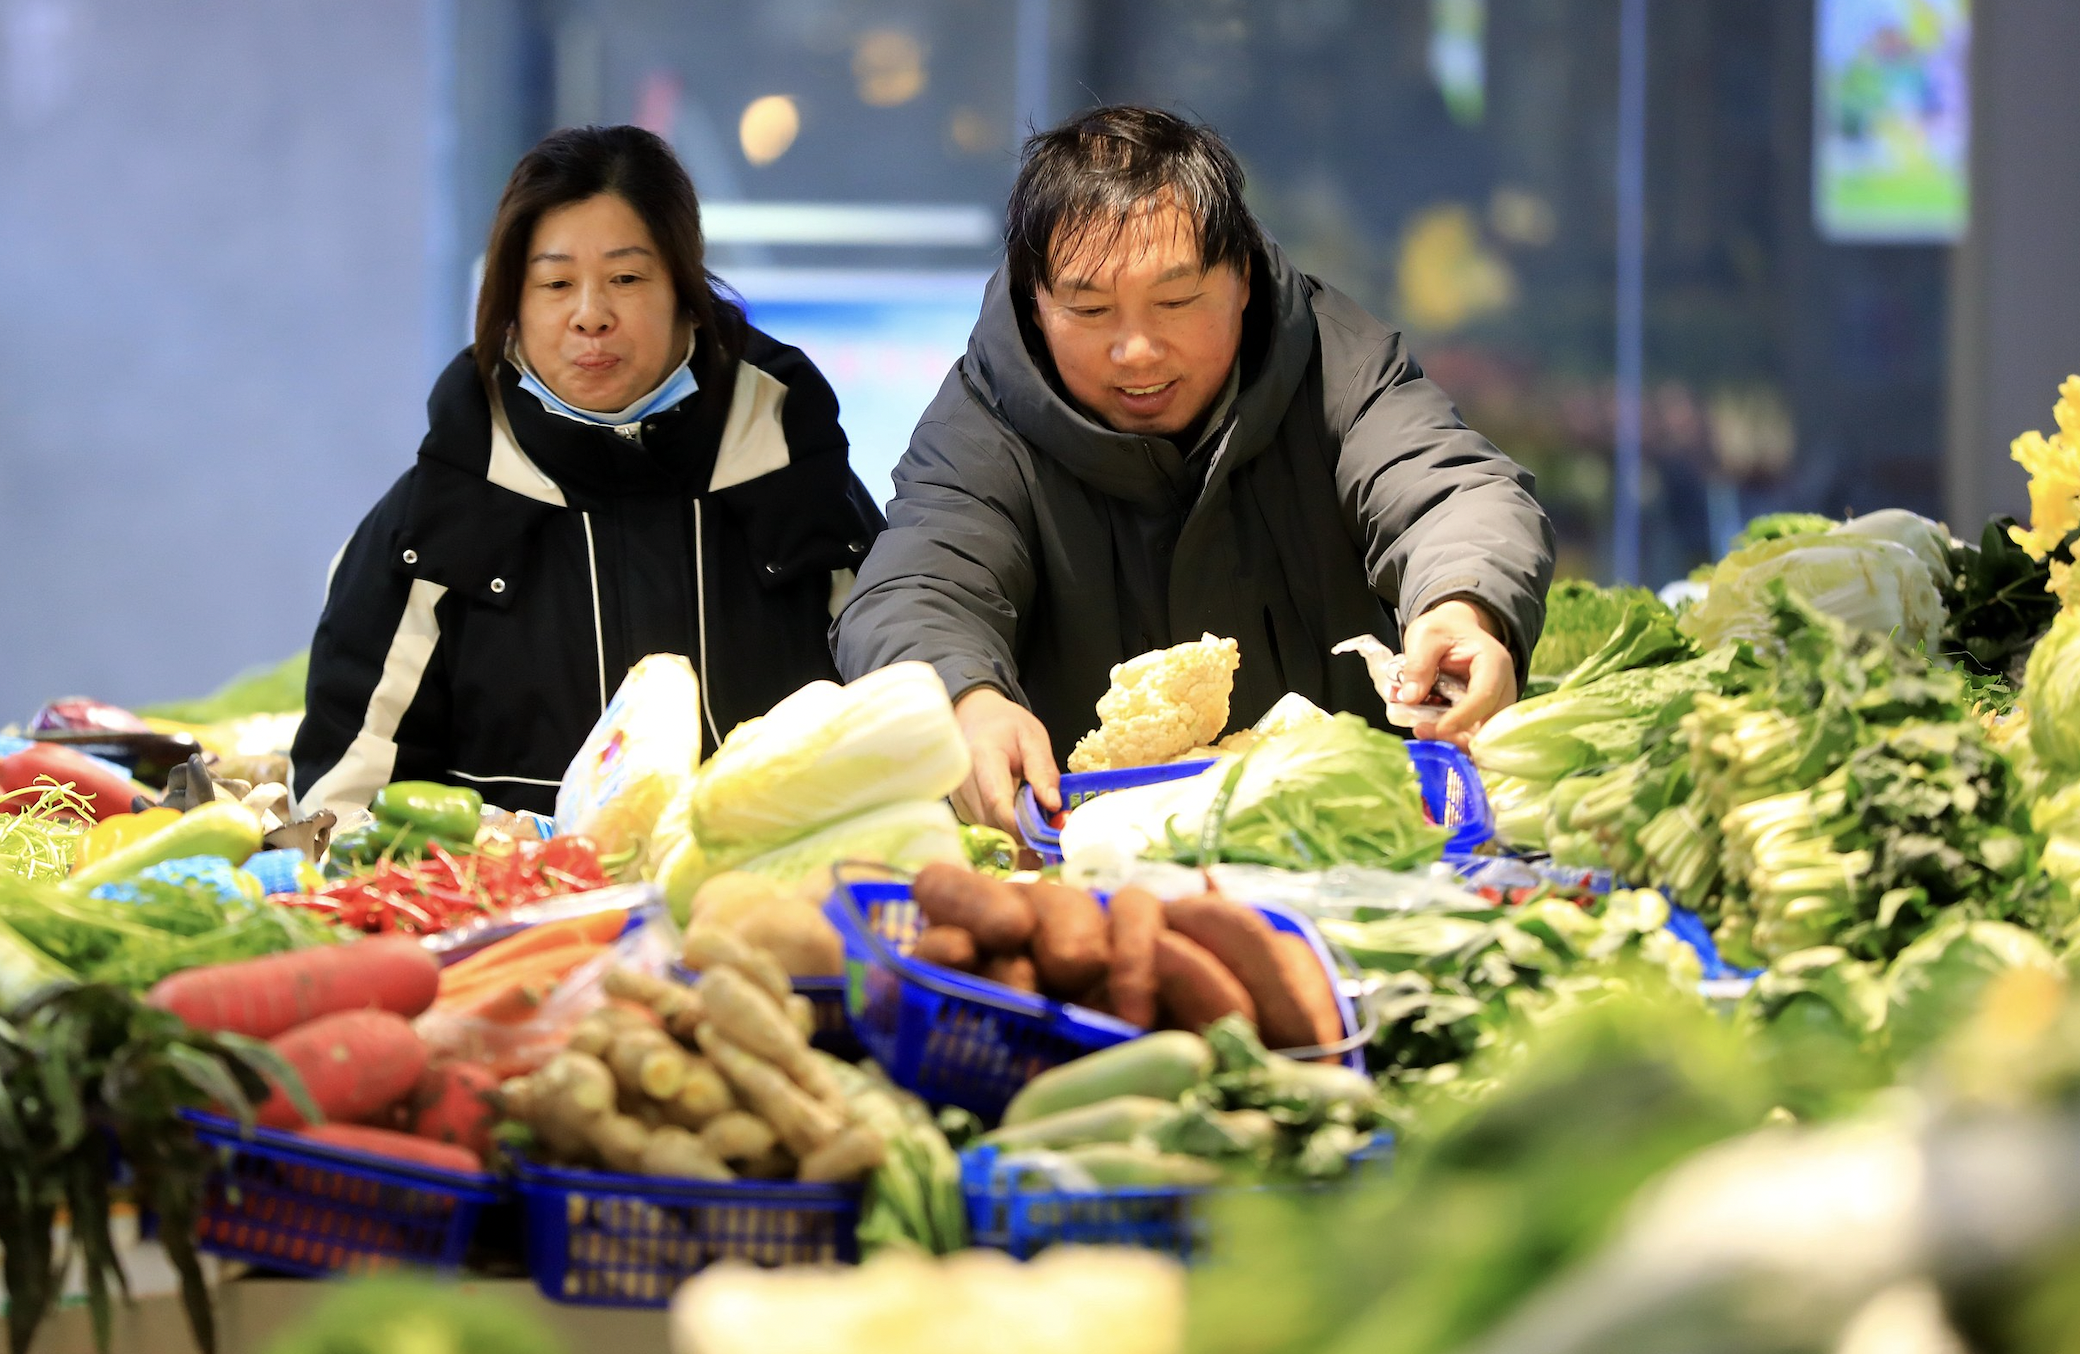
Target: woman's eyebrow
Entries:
(548, 256)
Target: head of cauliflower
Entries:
(1161, 705)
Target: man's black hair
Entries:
(1085, 179)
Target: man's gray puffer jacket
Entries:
(1031, 548)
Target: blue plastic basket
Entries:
(955, 1039)
(1452, 796)
(291, 1204)
(629, 1241)
(1172, 1219)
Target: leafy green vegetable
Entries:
(1999, 605)
(1496, 1198)
(416, 1316)
(2051, 695)
(1939, 979)
(258, 691)
(1773, 526)
(1587, 725)
(168, 928)
(1867, 582)
(1930, 541)
(1580, 617)
(86, 1067)
(1326, 792)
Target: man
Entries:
(1162, 429)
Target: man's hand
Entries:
(1009, 747)
(1461, 638)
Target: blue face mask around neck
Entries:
(675, 387)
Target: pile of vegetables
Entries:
(1182, 964)
(1320, 792)
(442, 890)
(1176, 1109)
(1581, 618)
(832, 773)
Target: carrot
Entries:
(382, 1142)
(515, 991)
(594, 928)
(453, 1104)
(274, 994)
(353, 1063)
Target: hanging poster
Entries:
(1891, 120)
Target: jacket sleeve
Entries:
(1440, 513)
(376, 701)
(949, 579)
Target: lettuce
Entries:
(904, 835)
(1930, 541)
(828, 752)
(1325, 792)
(2051, 696)
(1939, 979)
(1867, 582)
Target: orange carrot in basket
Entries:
(594, 928)
(517, 991)
(384, 1142)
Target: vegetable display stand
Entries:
(1452, 796)
(629, 1241)
(959, 1040)
(1176, 1220)
(286, 1203)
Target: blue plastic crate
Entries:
(601, 1239)
(288, 1203)
(1173, 1219)
(955, 1039)
(1452, 796)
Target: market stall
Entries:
(1350, 1042)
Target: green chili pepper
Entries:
(444, 810)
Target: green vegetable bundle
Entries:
(1581, 618)
(51, 935)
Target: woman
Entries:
(619, 466)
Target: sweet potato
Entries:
(798, 935)
(383, 1142)
(1195, 989)
(455, 1103)
(1072, 944)
(996, 914)
(946, 946)
(1137, 919)
(1309, 982)
(1244, 943)
(273, 995)
(1012, 970)
(354, 1064)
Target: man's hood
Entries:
(1278, 339)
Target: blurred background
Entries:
(1689, 260)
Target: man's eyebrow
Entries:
(1182, 270)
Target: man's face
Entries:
(1142, 334)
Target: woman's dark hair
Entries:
(1085, 179)
(639, 168)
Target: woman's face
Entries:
(599, 320)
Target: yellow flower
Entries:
(2053, 464)
(2065, 583)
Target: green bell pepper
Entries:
(446, 811)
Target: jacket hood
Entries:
(1278, 340)
(458, 417)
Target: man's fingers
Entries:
(1036, 763)
(1490, 681)
(991, 782)
(1427, 646)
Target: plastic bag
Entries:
(650, 944)
(640, 754)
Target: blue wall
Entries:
(216, 347)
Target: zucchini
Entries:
(1115, 1165)
(1162, 1066)
(222, 827)
(1120, 1119)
